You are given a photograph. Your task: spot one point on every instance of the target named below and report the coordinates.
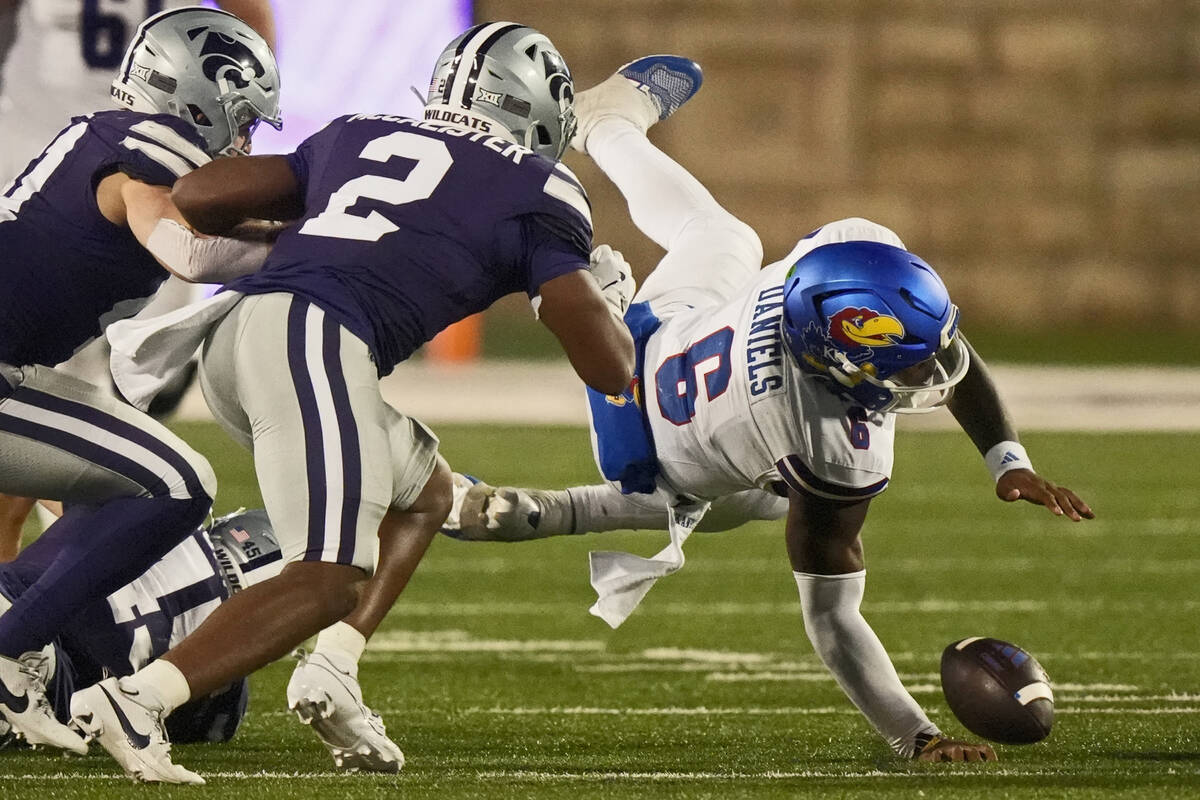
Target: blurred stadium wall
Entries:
(1043, 156)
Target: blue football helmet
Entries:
(877, 323)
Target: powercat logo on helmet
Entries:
(224, 57)
(561, 87)
(863, 327)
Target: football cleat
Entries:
(462, 483)
(132, 733)
(483, 513)
(642, 92)
(24, 706)
(328, 697)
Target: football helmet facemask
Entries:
(877, 323)
(246, 548)
(208, 68)
(510, 75)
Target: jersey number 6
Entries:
(104, 36)
(677, 382)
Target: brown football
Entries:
(997, 690)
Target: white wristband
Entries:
(1005, 456)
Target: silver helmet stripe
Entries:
(145, 27)
(460, 81)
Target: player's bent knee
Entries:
(206, 476)
(731, 233)
(437, 497)
(745, 236)
(331, 590)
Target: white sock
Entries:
(852, 652)
(663, 197)
(343, 645)
(603, 508)
(159, 684)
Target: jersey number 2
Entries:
(433, 161)
(677, 377)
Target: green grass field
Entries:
(497, 683)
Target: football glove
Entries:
(614, 278)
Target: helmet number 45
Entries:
(433, 161)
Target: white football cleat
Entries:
(24, 705)
(461, 483)
(132, 733)
(642, 92)
(483, 513)
(328, 697)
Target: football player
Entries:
(57, 58)
(63, 54)
(87, 233)
(404, 227)
(763, 394)
(139, 622)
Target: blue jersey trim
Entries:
(624, 443)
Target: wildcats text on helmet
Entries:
(455, 118)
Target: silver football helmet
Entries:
(246, 548)
(510, 75)
(206, 67)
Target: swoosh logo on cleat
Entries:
(138, 740)
(17, 704)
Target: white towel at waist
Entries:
(621, 580)
(147, 353)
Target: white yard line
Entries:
(541, 776)
(463, 610)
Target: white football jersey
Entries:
(730, 409)
(61, 65)
(169, 600)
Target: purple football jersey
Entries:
(67, 271)
(410, 226)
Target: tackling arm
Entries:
(156, 223)
(226, 192)
(596, 341)
(980, 412)
(825, 549)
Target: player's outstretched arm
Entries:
(977, 407)
(596, 340)
(227, 192)
(825, 548)
(149, 213)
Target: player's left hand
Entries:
(1025, 484)
(613, 277)
(943, 750)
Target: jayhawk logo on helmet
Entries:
(863, 327)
